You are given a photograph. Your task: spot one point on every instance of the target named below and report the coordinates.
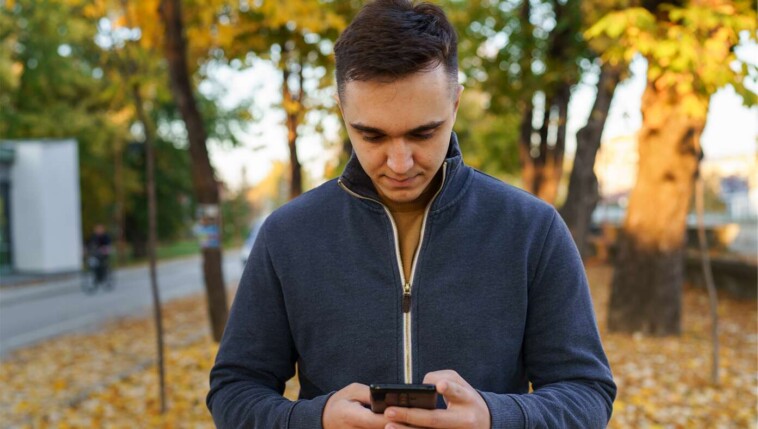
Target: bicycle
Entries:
(98, 273)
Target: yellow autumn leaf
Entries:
(60, 384)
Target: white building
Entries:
(40, 210)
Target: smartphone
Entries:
(403, 395)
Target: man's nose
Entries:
(400, 156)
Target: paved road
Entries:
(30, 314)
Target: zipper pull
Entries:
(407, 297)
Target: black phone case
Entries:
(402, 395)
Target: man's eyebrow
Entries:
(420, 129)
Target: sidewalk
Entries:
(17, 287)
(22, 287)
(13, 279)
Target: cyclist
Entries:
(99, 248)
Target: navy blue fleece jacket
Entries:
(498, 294)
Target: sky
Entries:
(731, 129)
(266, 140)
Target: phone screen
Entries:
(403, 395)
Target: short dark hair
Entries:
(391, 39)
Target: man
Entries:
(99, 246)
(410, 268)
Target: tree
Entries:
(203, 178)
(689, 47)
(128, 67)
(489, 139)
(188, 42)
(583, 193)
(564, 47)
(59, 78)
(52, 86)
(525, 57)
(297, 37)
(152, 235)
(135, 73)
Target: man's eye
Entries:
(422, 136)
(372, 137)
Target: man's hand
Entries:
(465, 407)
(347, 409)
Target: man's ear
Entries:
(458, 93)
(336, 98)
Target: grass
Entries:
(177, 249)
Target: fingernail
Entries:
(390, 414)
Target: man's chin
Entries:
(400, 197)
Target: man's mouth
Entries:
(401, 182)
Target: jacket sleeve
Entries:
(563, 357)
(257, 356)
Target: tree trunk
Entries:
(583, 192)
(120, 197)
(152, 217)
(646, 293)
(549, 163)
(203, 179)
(552, 166)
(541, 172)
(540, 160)
(296, 182)
(708, 276)
(293, 109)
(545, 129)
(527, 104)
(528, 171)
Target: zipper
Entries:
(407, 297)
(407, 291)
(406, 285)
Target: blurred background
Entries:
(143, 142)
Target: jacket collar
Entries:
(357, 181)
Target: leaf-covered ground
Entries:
(666, 382)
(108, 378)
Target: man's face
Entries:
(400, 131)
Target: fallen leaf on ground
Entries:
(109, 378)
